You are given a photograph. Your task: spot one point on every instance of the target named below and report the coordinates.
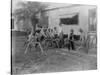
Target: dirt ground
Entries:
(55, 60)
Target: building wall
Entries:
(55, 15)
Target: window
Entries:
(73, 20)
(92, 20)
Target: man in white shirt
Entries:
(60, 31)
(55, 31)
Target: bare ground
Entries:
(56, 60)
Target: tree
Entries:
(28, 13)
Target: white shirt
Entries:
(59, 30)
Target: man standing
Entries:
(71, 40)
(61, 42)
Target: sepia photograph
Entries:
(49, 37)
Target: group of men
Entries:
(57, 37)
(54, 35)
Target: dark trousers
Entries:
(71, 45)
(61, 43)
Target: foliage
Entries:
(28, 12)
